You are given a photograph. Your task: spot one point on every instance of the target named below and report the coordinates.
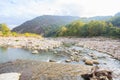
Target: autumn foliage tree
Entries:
(4, 29)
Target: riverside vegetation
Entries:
(6, 32)
(90, 29)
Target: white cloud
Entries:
(15, 12)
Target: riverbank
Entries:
(105, 45)
(34, 70)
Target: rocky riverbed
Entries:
(78, 52)
(105, 45)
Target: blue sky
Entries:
(15, 12)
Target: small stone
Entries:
(52, 60)
(72, 58)
(95, 62)
(95, 57)
(89, 62)
(35, 52)
(67, 60)
(85, 58)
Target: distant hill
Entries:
(118, 14)
(115, 20)
(45, 25)
(98, 18)
(104, 18)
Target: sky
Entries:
(15, 12)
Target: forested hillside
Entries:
(45, 25)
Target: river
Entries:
(105, 61)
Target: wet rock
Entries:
(35, 52)
(52, 60)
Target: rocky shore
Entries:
(33, 70)
(29, 43)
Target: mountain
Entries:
(102, 18)
(45, 24)
(115, 20)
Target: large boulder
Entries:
(10, 76)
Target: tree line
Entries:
(90, 29)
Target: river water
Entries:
(10, 54)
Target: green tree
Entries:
(97, 28)
(14, 34)
(84, 32)
(62, 31)
(75, 28)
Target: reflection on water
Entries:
(3, 49)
